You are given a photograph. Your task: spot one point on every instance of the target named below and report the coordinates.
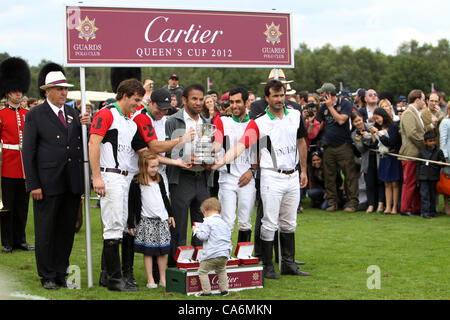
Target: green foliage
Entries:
(414, 66)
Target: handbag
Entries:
(443, 185)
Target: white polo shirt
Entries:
(152, 202)
(231, 129)
(277, 138)
(121, 138)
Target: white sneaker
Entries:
(162, 284)
(152, 285)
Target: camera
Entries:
(309, 108)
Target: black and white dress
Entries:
(148, 211)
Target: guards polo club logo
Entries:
(87, 29)
(273, 33)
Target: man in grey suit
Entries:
(52, 157)
(188, 187)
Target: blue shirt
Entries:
(335, 134)
(216, 237)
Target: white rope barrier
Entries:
(405, 157)
(413, 158)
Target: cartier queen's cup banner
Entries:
(113, 36)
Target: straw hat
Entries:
(289, 90)
(281, 76)
(55, 79)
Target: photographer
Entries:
(334, 115)
(224, 104)
(313, 126)
(401, 106)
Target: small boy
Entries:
(216, 237)
(427, 174)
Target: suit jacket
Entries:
(176, 127)
(412, 132)
(428, 123)
(52, 154)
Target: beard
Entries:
(14, 99)
(192, 110)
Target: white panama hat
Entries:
(289, 90)
(55, 79)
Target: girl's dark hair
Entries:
(317, 153)
(354, 115)
(387, 120)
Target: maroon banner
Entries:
(106, 36)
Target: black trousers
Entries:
(54, 225)
(374, 186)
(14, 221)
(186, 196)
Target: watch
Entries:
(254, 171)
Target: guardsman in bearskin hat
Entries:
(15, 80)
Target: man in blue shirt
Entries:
(338, 152)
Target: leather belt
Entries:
(287, 171)
(17, 147)
(114, 170)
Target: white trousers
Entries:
(114, 205)
(280, 195)
(230, 196)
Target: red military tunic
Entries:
(11, 133)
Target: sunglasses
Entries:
(372, 95)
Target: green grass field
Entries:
(412, 255)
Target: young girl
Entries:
(390, 168)
(150, 209)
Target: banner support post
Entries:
(87, 184)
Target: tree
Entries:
(406, 73)
(414, 66)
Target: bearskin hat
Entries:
(15, 75)
(119, 74)
(49, 67)
(387, 95)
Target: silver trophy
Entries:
(204, 143)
